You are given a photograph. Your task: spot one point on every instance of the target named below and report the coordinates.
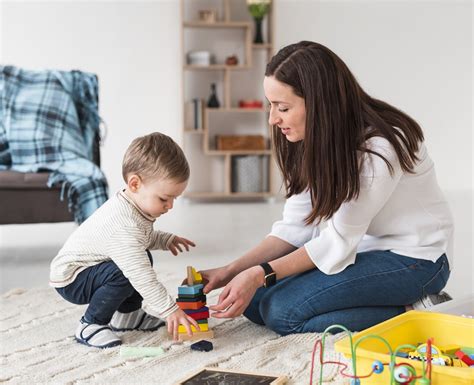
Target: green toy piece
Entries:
(141, 351)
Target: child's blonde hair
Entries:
(155, 156)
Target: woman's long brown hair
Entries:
(340, 118)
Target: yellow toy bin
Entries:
(414, 328)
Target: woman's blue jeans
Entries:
(377, 287)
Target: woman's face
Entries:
(287, 110)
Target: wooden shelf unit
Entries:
(216, 24)
(227, 195)
(216, 67)
(226, 22)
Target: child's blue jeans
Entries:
(377, 287)
(105, 289)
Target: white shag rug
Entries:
(37, 347)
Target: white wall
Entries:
(134, 47)
(416, 55)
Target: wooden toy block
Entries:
(193, 276)
(197, 295)
(189, 271)
(201, 309)
(464, 358)
(201, 298)
(194, 289)
(202, 346)
(197, 336)
(204, 328)
(189, 305)
(197, 276)
(200, 315)
(192, 300)
(450, 349)
(141, 351)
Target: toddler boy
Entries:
(106, 263)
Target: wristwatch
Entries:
(270, 275)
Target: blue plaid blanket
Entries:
(48, 122)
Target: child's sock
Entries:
(97, 336)
(431, 300)
(136, 320)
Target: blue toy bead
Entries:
(355, 381)
(377, 367)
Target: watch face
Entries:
(270, 279)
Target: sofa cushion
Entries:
(12, 180)
(29, 200)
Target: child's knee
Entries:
(118, 280)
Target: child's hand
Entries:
(177, 318)
(176, 244)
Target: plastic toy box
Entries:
(413, 327)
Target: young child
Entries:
(106, 263)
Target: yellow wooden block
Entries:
(197, 276)
(197, 336)
(193, 277)
(204, 328)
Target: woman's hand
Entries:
(177, 242)
(238, 293)
(216, 278)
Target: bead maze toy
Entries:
(192, 301)
(415, 347)
(400, 373)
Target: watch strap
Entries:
(266, 268)
(270, 275)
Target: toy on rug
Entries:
(192, 301)
(202, 346)
(141, 351)
(432, 348)
(400, 373)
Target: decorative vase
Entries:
(213, 102)
(258, 31)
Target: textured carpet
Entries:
(37, 347)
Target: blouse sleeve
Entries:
(292, 228)
(336, 247)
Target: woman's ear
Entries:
(134, 182)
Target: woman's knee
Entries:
(279, 317)
(253, 310)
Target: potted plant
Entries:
(258, 9)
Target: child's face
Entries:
(156, 196)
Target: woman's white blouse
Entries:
(405, 213)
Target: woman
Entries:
(360, 165)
